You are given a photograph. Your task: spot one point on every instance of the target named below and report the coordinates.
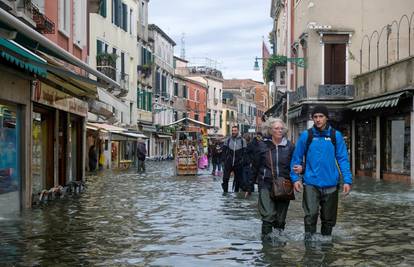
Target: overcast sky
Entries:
(227, 31)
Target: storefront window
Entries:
(365, 146)
(9, 157)
(397, 147)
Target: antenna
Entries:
(182, 46)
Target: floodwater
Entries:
(157, 219)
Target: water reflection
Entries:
(154, 219)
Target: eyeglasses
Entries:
(278, 129)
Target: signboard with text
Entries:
(47, 95)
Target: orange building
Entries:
(261, 97)
(196, 105)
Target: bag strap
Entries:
(271, 165)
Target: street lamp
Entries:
(256, 63)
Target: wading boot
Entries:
(326, 230)
(266, 231)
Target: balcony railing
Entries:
(297, 96)
(216, 101)
(43, 23)
(108, 71)
(124, 82)
(336, 91)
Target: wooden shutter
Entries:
(335, 56)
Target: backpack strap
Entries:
(309, 140)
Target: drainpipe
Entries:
(16, 24)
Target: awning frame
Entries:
(384, 101)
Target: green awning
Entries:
(387, 101)
(20, 56)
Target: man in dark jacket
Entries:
(141, 154)
(233, 149)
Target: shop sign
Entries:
(47, 95)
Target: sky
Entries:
(226, 34)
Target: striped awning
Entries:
(387, 101)
(21, 57)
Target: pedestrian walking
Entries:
(233, 148)
(275, 154)
(217, 157)
(253, 154)
(141, 154)
(93, 158)
(321, 149)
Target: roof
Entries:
(191, 121)
(240, 83)
(153, 27)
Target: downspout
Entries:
(16, 24)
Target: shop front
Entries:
(58, 138)
(382, 136)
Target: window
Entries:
(130, 21)
(102, 8)
(149, 95)
(64, 16)
(99, 47)
(176, 89)
(184, 91)
(158, 83)
(122, 63)
(196, 117)
(397, 144)
(335, 58)
(365, 153)
(124, 24)
(142, 13)
(282, 78)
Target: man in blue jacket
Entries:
(321, 150)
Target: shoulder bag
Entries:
(282, 188)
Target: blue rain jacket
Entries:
(321, 169)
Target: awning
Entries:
(125, 136)
(295, 112)
(105, 127)
(387, 101)
(164, 136)
(149, 128)
(20, 56)
(191, 121)
(36, 41)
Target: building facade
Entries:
(328, 44)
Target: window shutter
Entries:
(99, 47)
(124, 17)
(149, 101)
(119, 12)
(102, 8)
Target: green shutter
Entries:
(150, 101)
(144, 100)
(99, 47)
(102, 8)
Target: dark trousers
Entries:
(272, 212)
(238, 172)
(141, 165)
(313, 199)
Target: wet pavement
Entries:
(156, 219)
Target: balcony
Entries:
(43, 23)
(216, 101)
(109, 71)
(124, 82)
(299, 95)
(145, 70)
(336, 92)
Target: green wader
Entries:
(328, 202)
(273, 213)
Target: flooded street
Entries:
(156, 219)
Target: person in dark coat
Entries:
(234, 149)
(274, 161)
(141, 154)
(253, 153)
(93, 158)
(216, 157)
